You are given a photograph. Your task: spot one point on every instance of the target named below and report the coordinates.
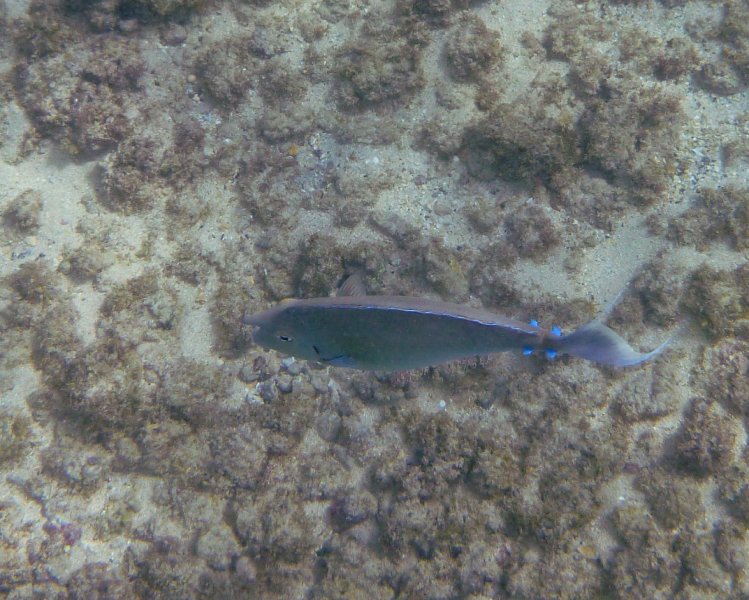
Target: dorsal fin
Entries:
(353, 285)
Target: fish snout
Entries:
(254, 319)
(265, 317)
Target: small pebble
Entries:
(174, 35)
(246, 569)
(285, 384)
(266, 390)
(442, 208)
(127, 25)
(319, 383)
(294, 367)
(247, 374)
(328, 425)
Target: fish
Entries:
(400, 333)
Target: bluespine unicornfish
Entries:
(396, 333)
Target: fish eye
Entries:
(285, 338)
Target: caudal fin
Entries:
(600, 344)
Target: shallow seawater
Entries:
(170, 166)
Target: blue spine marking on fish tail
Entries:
(598, 343)
(545, 341)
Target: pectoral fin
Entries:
(353, 285)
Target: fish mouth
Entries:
(254, 319)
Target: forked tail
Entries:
(600, 344)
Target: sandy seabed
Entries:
(169, 165)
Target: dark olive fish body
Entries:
(394, 333)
